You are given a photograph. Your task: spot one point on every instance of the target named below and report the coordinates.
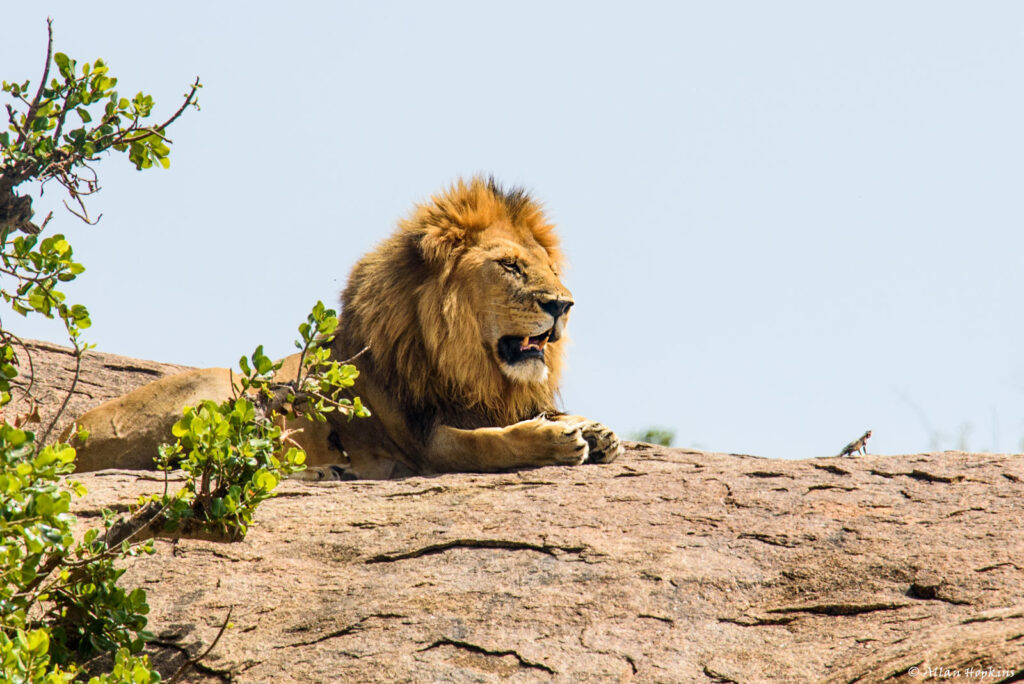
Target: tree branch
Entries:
(184, 105)
(195, 661)
(42, 83)
(71, 391)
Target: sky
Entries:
(786, 222)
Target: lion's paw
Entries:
(603, 444)
(565, 442)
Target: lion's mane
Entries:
(405, 302)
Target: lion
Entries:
(126, 432)
(459, 323)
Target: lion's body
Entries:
(126, 432)
(458, 319)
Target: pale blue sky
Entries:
(787, 222)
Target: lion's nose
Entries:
(556, 307)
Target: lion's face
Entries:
(462, 307)
(521, 305)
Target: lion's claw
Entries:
(603, 445)
(567, 444)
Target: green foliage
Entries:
(656, 435)
(39, 266)
(42, 144)
(59, 601)
(60, 604)
(321, 379)
(25, 658)
(42, 141)
(231, 458)
(235, 452)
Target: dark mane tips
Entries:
(515, 199)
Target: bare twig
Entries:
(84, 216)
(31, 366)
(42, 84)
(302, 358)
(67, 397)
(147, 131)
(357, 355)
(12, 117)
(188, 101)
(195, 661)
(302, 365)
(235, 390)
(69, 81)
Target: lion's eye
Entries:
(512, 266)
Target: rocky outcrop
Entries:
(669, 565)
(47, 372)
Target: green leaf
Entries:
(37, 641)
(32, 541)
(63, 63)
(265, 480)
(15, 437)
(261, 361)
(217, 507)
(63, 453)
(44, 504)
(181, 428)
(327, 325)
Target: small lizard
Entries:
(858, 445)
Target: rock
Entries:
(669, 565)
(50, 374)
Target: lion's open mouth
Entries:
(514, 349)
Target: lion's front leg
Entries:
(529, 443)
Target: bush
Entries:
(61, 609)
(59, 601)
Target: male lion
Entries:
(460, 317)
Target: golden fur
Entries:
(126, 432)
(415, 316)
(474, 264)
